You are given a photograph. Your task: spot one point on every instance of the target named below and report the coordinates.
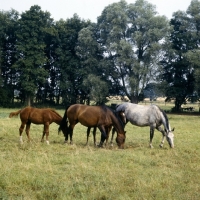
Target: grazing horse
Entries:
(152, 116)
(122, 118)
(30, 115)
(93, 116)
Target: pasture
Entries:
(36, 170)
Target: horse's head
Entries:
(120, 139)
(170, 138)
(64, 128)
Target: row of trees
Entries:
(130, 48)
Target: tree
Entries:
(89, 50)
(68, 62)
(96, 88)
(193, 55)
(132, 35)
(94, 69)
(32, 29)
(8, 24)
(178, 70)
(48, 90)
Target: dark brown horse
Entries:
(44, 116)
(93, 116)
(122, 118)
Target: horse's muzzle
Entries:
(120, 146)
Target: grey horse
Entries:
(150, 115)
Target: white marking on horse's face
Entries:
(170, 139)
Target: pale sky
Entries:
(87, 9)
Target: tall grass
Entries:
(36, 170)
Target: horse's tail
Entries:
(63, 121)
(14, 113)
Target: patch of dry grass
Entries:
(36, 170)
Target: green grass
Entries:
(36, 170)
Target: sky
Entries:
(87, 9)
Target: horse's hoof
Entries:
(100, 146)
(161, 146)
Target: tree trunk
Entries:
(134, 99)
(178, 105)
(28, 100)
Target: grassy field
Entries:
(36, 170)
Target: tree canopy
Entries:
(130, 49)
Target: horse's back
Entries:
(140, 115)
(36, 115)
(24, 114)
(86, 115)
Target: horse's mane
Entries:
(54, 111)
(114, 113)
(165, 116)
(64, 120)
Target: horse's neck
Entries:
(117, 124)
(57, 118)
(165, 122)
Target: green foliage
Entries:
(6, 97)
(8, 26)
(71, 72)
(132, 35)
(31, 33)
(98, 89)
(180, 63)
(48, 61)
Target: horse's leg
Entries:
(163, 136)
(88, 134)
(151, 136)
(28, 125)
(113, 133)
(94, 135)
(46, 132)
(107, 134)
(21, 128)
(103, 135)
(66, 136)
(43, 134)
(71, 128)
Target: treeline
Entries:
(128, 51)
